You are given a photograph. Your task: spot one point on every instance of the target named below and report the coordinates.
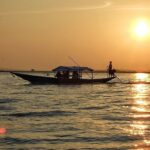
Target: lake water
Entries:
(114, 116)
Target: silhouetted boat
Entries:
(34, 79)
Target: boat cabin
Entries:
(71, 72)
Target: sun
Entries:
(141, 28)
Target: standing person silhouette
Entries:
(110, 69)
(110, 65)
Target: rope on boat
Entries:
(77, 64)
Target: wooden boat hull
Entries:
(51, 80)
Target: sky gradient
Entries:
(41, 34)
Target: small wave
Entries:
(136, 82)
(86, 148)
(84, 140)
(142, 147)
(116, 118)
(42, 114)
(71, 129)
(5, 108)
(10, 140)
(21, 141)
(108, 148)
(113, 138)
(140, 118)
(8, 100)
(93, 108)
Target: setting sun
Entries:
(141, 28)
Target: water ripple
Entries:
(42, 114)
(8, 100)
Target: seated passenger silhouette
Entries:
(75, 75)
(58, 75)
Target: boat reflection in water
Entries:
(140, 114)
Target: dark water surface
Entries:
(68, 117)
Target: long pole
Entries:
(73, 61)
(119, 79)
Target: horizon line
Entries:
(95, 71)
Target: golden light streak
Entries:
(141, 76)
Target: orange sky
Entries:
(41, 34)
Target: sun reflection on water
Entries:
(139, 109)
(141, 102)
(140, 113)
(141, 76)
(137, 128)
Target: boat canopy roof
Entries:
(72, 68)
